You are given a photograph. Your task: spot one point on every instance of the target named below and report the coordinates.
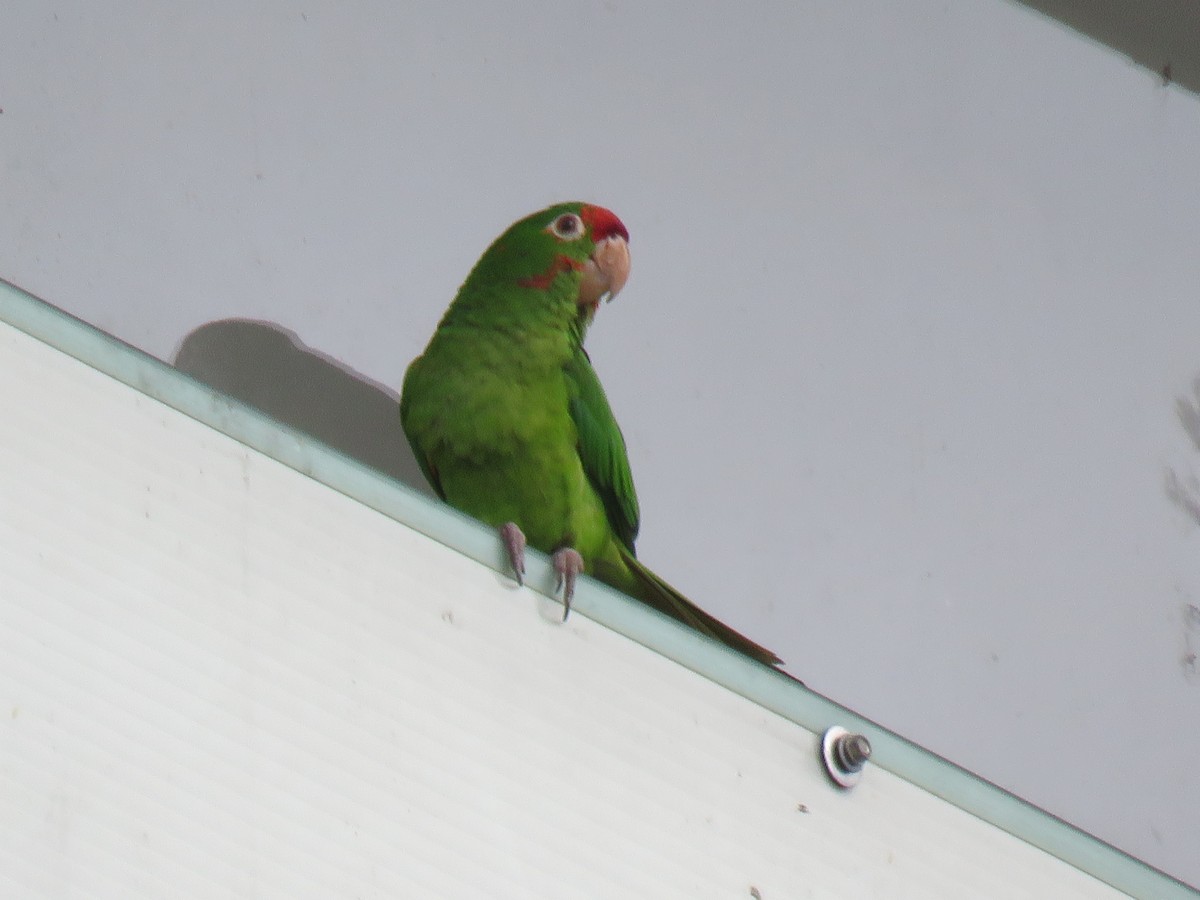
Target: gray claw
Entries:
(514, 545)
(569, 566)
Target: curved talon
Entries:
(514, 545)
(569, 566)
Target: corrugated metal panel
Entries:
(222, 677)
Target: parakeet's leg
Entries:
(514, 543)
(566, 560)
(569, 565)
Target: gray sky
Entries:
(912, 307)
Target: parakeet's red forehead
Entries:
(601, 222)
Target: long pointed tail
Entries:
(655, 592)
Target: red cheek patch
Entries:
(543, 281)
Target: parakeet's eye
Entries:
(568, 226)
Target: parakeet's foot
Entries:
(514, 544)
(569, 566)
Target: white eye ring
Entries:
(568, 227)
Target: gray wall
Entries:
(907, 365)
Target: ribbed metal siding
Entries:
(221, 678)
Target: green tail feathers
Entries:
(652, 590)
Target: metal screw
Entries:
(844, 755)
(852, 752)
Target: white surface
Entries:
(913, 301)
(223, 679)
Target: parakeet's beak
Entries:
(605, 271)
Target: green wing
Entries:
(602, 447)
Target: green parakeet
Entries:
(508, 420)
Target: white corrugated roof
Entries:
(237, 665)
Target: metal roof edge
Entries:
(1158, 35)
